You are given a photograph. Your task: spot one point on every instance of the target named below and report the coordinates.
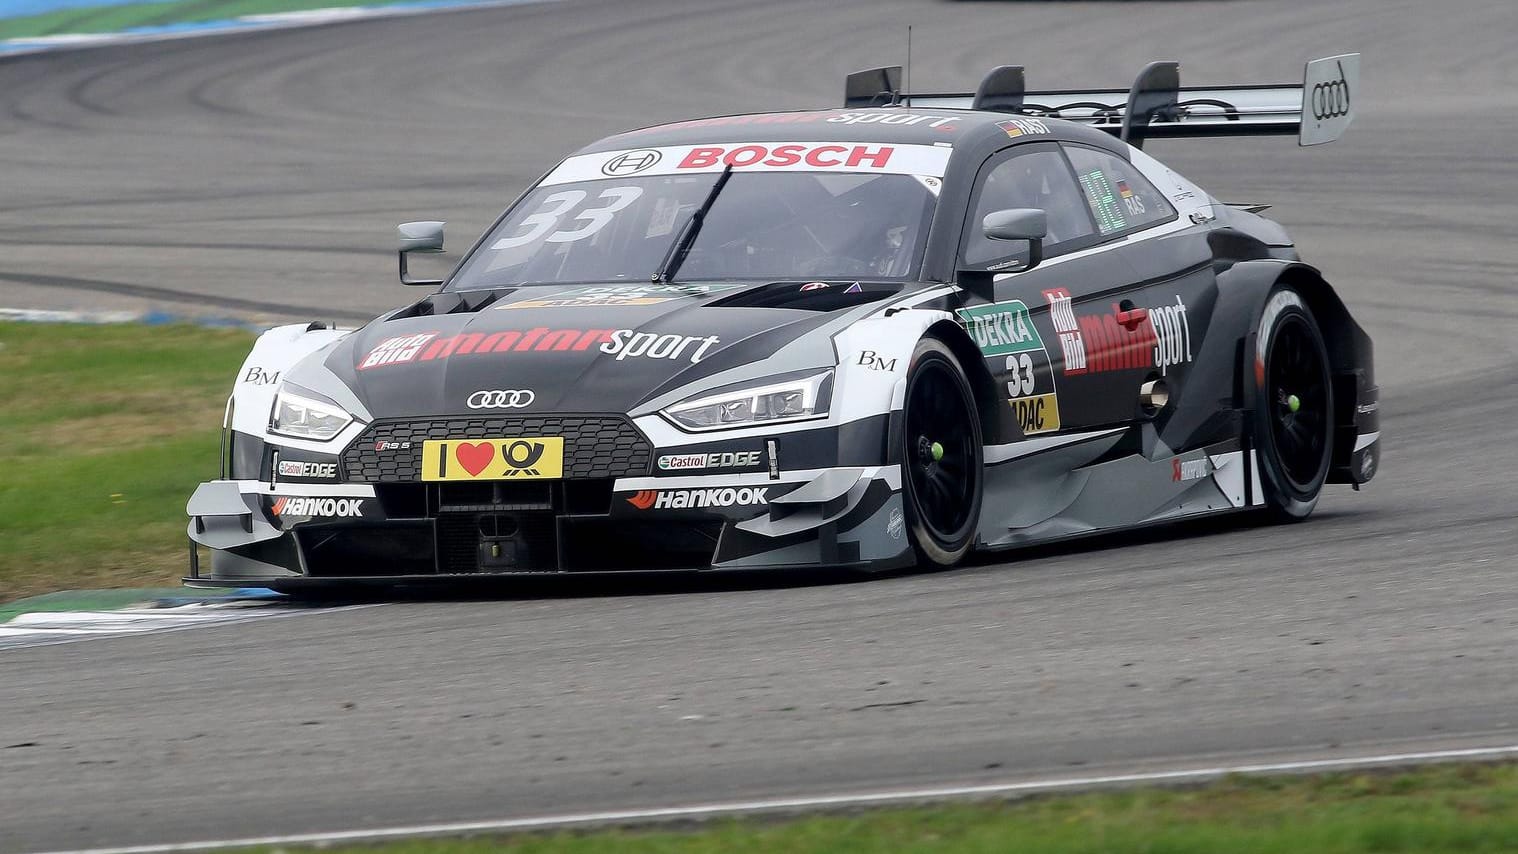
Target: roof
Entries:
(900, 125)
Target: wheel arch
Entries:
(1349, 348)
(1245, 287)
(996, 424)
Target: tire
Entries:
(941, 456)
(1293, 407)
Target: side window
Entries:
(1120, 197)
(1037, 178)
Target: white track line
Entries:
(694, 811)
(43, 628)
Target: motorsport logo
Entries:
(622, 343)
(626, 343)
(689, 499)
(894, 119)
(335, 508)
(828, 116)
(1001, 328)
(427, 346)
(1123, 339)
(315, 471)
(723, 460)
(1063, 317)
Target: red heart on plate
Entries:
(474, 457)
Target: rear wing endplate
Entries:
(1156, 106)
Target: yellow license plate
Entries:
(493, 459)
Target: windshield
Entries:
(763, 225)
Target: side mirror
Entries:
(1010, 224)
(418, 237)
(1030, 224)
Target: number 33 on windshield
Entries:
(557, 205)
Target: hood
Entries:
(579, 348)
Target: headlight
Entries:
(303, 417)
(788, 400)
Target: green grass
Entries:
(107, 430)
(110, 19)
(1468, 808)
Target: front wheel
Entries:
(1294, 407)
(941, 462)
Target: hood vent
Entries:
(451, 302)
(810, 296)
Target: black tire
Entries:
(941, 456)
(1294, 407)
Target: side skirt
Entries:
(1079, 489)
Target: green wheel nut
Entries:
(1293, 402)
(937, 452)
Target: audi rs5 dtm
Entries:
(866, 337)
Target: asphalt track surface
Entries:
(261, 175)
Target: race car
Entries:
(886, 335)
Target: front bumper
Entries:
(291, 536)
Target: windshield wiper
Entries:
(682, 246)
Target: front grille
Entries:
(595, 446)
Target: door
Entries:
(1152, 326)
(1072, 340)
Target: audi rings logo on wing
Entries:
(631, 163)
(1330, 100)
(501, 399)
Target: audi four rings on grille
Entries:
(501, 399)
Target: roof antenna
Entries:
(907, 89)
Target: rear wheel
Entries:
(940, 455)
(1294, 409)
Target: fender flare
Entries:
(264, 369)
(1242, 292)
(892, 337)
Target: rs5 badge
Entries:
(493, 459)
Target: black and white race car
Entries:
(894, 333)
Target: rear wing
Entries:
(1157, 106)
